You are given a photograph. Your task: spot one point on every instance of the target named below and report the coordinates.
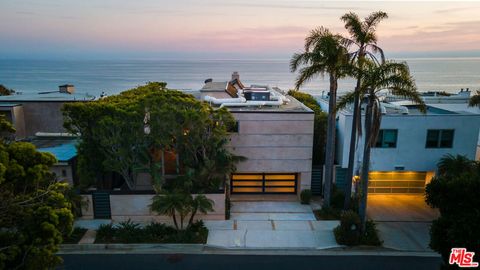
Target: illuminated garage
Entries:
(395, 182)
(264, 183)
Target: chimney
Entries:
(235, 76)
(67, 88)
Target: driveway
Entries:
(400, 208)
(403, 221)
(271, 224)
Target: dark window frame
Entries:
(444, 138)
(380, 143)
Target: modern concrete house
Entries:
(411, 143)
(274, 132)
(39, 112)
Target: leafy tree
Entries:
(132, 131)
(324, 53)
(391, 76)
(363, 38)
(454, 194)
(34, 213)
(4, 91)
(319, 127)
(474, 100)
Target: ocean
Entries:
(114, 76)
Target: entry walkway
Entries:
(271, 224)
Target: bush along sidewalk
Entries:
(336, 206)
(129, 232)
(349, 231)
(75, 236)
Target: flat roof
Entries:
(63, 148)
(214, 86)
(9, 104)
(49, 96)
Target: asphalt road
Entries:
(248, 262)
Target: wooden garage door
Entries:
(264, 183)
(397, 182)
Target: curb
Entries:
(209, 249)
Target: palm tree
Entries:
(324, 53)
(450, 165)
(475, 100)
(391, 76)
(364, 38)
(170, 204)
(200, 204)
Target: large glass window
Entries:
(439, 138)
(387, 138)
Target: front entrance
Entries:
(397, 182)
(264, 183)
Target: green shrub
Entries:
(348, 232)
(158, 232)
(105, 233)
(327, 213)
(306, 196)
(370, 237)
(75, 236)
(129, 232)
(337, 199)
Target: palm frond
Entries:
(353, 25)
(372, 20)
(346, 99)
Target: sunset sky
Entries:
(223, 28)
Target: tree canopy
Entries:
(34, 212)
(4, 91)
(133, 131)
(454, 193)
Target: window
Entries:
(233, 128)
(439, 138)
(387, 138)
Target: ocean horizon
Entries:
(113, 76)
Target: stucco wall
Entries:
(275, 142)
(137, 208)
(412, 132)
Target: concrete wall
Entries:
(275, 142)
(42, 116)
(137, 208)
(18, 120)
(412, 132)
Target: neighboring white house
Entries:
(411, 143)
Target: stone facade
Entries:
(275, 142)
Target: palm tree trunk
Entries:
(194, 212)
(351, 154)
(330, 149)
(175, 220)
(366, 162)
(357, 116)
